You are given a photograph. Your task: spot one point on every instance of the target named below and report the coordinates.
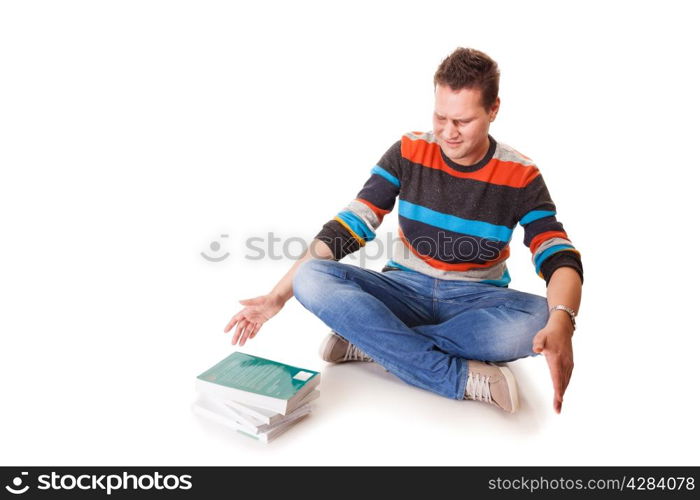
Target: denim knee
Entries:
(540, 309)
(538, 313)
(526, 326)
(302, 278)
(310, 277)
(535, 306)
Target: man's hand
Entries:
(554, 341)
(251, 318)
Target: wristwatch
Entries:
(571, 312)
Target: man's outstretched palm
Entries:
(256, 312)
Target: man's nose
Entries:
(450, 130)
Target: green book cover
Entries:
(258, 375)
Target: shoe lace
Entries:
(479, 387)
(354, 354)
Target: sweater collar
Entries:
(476, 166)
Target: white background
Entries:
(134, 133)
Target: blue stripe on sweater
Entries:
(357, 225)
(393, 263)
(535, 215)
(453, 223)
(505, 279)
(383, 173)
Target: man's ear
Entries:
(494, 109)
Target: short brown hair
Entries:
(470, 69)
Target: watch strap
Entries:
(568, 310)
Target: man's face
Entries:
(461, 124)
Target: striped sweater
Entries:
(455, 221)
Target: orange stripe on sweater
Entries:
(505, 173)
(540, 238)
(445, 266)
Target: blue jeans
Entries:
(421, 329)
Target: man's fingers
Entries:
(235, 319)
(557, 405)
(250, 332)
(239, 329)
(244, 334)
(230, 324)
(567, 378)
(245, 328)
(560, 367)
(555, 370)
(561, 371)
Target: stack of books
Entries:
(255, 396)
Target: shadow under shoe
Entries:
(492, 383)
